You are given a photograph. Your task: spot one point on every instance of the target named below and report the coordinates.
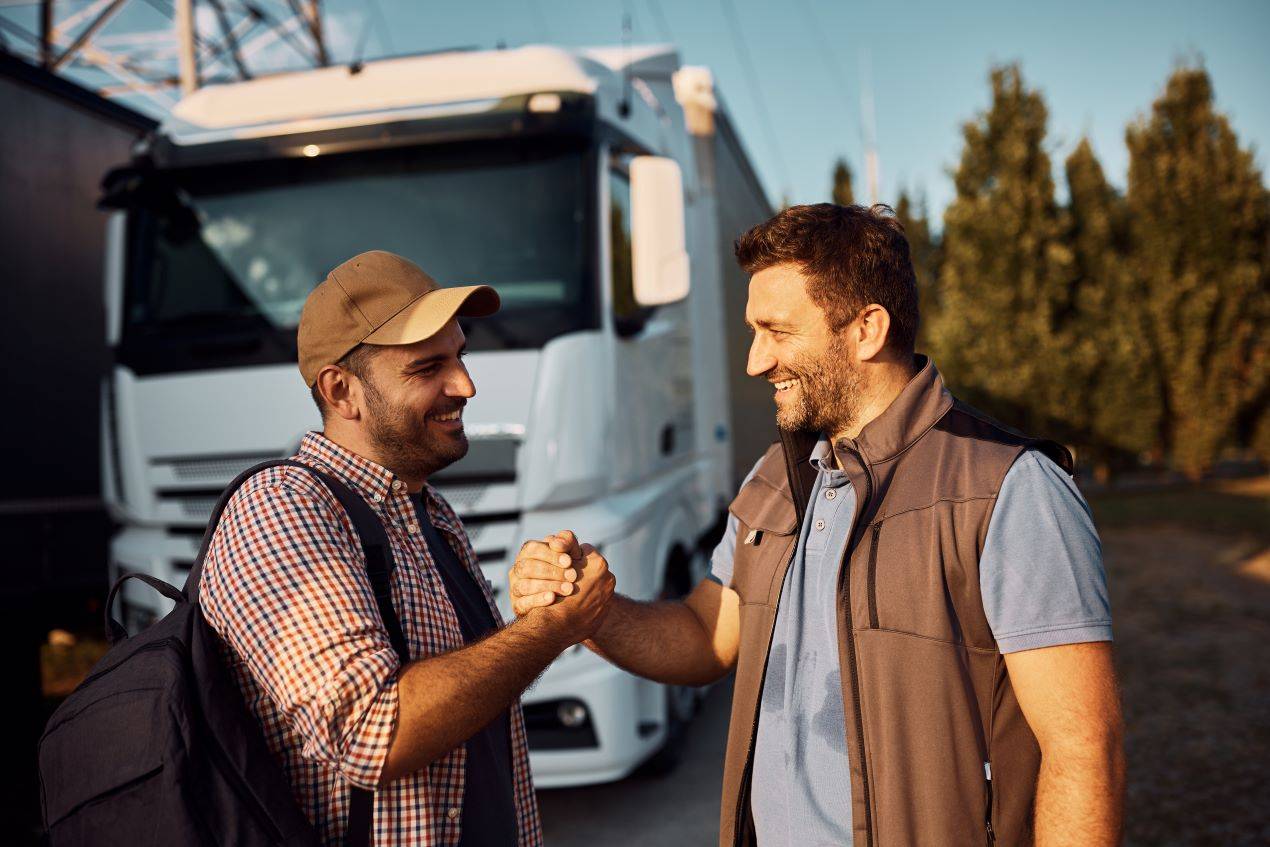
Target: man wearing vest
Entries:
(440, 739)
(911, 594)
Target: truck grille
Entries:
(219, 469)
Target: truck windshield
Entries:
(221, 259)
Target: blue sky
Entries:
(1098, 65)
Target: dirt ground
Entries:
(1190, 590)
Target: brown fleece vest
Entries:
(929, 707)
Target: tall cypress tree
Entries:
(1005, 280)
(1104, 338)
(1200, 227)
(842, 194)
(924, 251)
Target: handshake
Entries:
(564, 583)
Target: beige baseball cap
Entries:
(379, 298)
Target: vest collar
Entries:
(918, 407)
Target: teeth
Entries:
(785, 384)
(452, 416)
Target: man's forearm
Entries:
(664, 641)
(445, 700)
(1080, 796)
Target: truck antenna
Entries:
(624, 105)
(868, 124)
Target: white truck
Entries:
(597, 190)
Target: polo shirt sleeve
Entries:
(285, 586)
(725, 550)
(1041, 573)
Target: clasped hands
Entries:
(564, 581)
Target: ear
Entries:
(872, 327)
(340, 391)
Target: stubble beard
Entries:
(402, 440)
(829, 390)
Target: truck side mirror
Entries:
(658, 256)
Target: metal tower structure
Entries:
(148, 53)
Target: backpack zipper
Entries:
(222, 760)
(154, 645)
(244, 792)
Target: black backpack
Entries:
(156, 746)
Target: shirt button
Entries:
(453, 813)
(396, 485)
(830, 494)
(414, 527)
(378, 498)
(820, 525)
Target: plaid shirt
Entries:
(285, 587)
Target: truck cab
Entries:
(579, 185)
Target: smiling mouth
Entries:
(456, 415)
(784, 385)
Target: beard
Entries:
(829, 389)
(402, 440)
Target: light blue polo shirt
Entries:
(1043, 584)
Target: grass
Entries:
(1224, 507)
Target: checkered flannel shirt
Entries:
(285, 587)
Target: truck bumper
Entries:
(626, 713)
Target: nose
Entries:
(461, 384)
(760, 360)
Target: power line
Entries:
(826, 52)
(659, 21)
(747, 65)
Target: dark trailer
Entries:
(56, 141)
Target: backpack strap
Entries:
(379, 568)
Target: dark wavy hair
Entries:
(851, 255)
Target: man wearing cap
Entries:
(440, 739)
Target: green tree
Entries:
(924, 250)
(842, 193)
(1005, 281)
(1200, 227)
(1104, 337)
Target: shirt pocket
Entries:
(766, 532)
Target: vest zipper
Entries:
(743, 795)
(987, 815)
(844, 588)
(873, 576)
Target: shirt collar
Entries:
(370, 479)
(821, 457)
